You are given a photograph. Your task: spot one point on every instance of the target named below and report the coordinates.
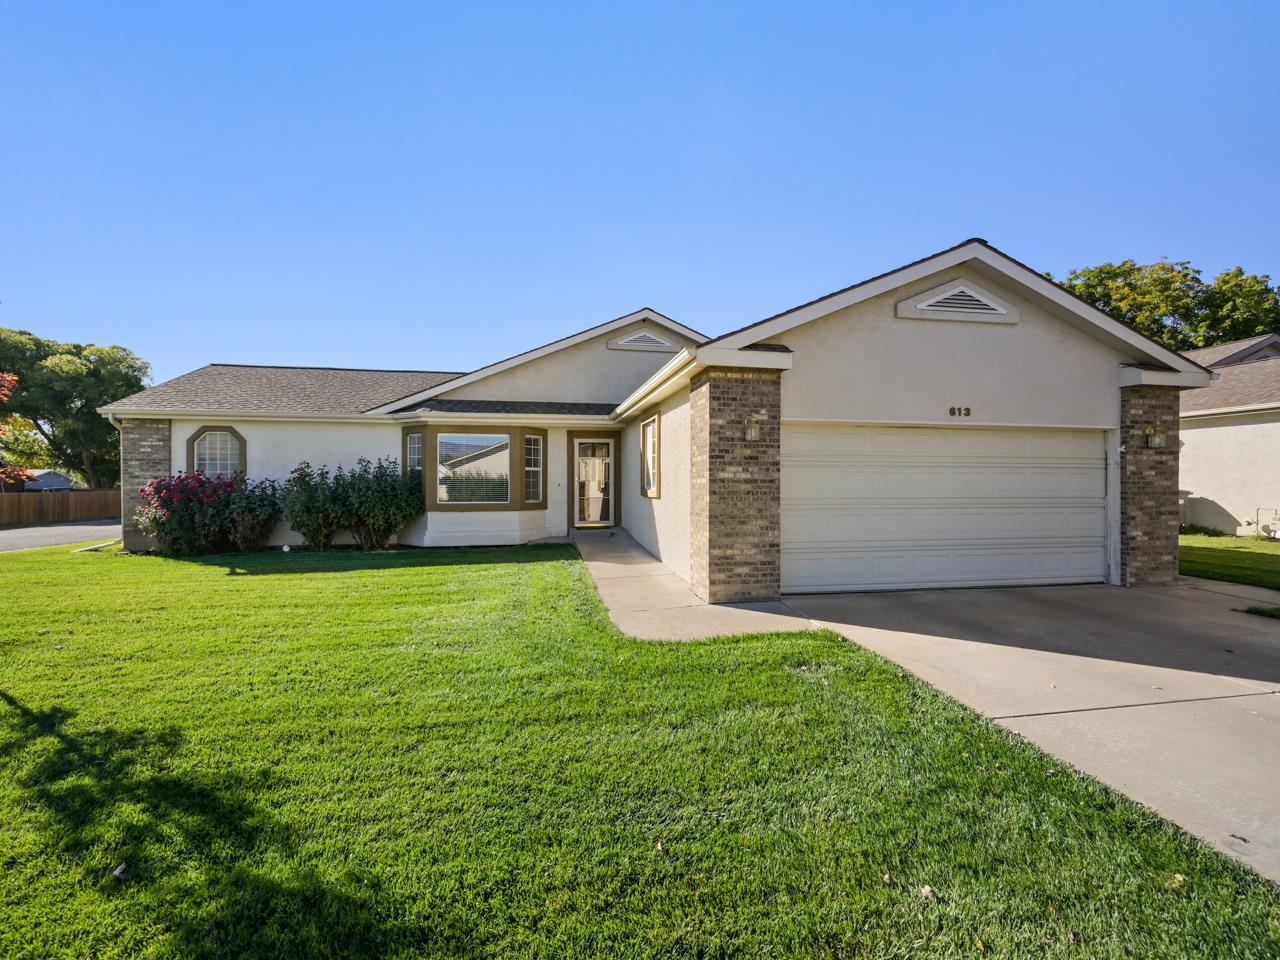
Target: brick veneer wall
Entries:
(144, 454)
(735, 513)
(1148, 487)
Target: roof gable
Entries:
(645, 315)
(1239, 386)
(1261, 347)
(1002, 267)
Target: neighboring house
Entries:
(49, 480)
(959, 421)
(1230, 472)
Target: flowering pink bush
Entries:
(187, 514)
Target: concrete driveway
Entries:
(1167, 694)
(55, 534)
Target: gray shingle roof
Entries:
(287, 390)
(1240, 385)
(1208, 356)
(514, 406)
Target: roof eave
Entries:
(688, 363)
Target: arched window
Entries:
(216, 450)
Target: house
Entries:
(49, 480)
(1230, 472)
(959, 421)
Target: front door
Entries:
(593, 483)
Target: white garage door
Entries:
(889, 508)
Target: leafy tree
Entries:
(21, 446)
(60, 387)
(10, 473)
(1169, 301)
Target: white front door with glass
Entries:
(593, 483)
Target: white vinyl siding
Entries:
(891, 508)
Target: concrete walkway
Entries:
(1171, 695)
(56, 534)
(646, 600)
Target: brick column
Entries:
(1148, 487)
(735, 527)
(144, 455)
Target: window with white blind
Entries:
(473, 468)
(533, 472)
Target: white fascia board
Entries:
(1229, 411)
(506, 419)
(669, 378)
(212, 416)
(502, 365)
(1014, 271)
(1189, 379)
(751, 359)
(680, 370)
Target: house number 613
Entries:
(959, 411)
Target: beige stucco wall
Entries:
(274, 448)
(863, 364)
(588, 372)
(661, 525)
(1230, 467)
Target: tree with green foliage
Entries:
(59, 390)
(1170, 302)
(11, 473)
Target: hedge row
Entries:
(193, 513)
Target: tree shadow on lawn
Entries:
(197, 850)
(299, 560)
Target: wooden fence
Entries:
(71, 505)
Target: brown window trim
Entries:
(571, 497)
(421, 430)
(541, 502)
(515, 478)
(212, 428)
(656, 494)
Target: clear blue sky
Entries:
(436, 186)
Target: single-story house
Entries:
(1230, 473)
(49, 480)
(959, 421)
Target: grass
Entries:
(1272, 612)
(454, 753)
(1237, 559)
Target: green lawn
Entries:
(1238, 559)
(454, 753)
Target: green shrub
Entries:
(186, 514)
(376, 500)
(253, 511)
(311, 506)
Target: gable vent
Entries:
(958, 300)
(961, 301)
(643, 340)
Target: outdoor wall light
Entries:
(753, 429)
(1155, 438)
